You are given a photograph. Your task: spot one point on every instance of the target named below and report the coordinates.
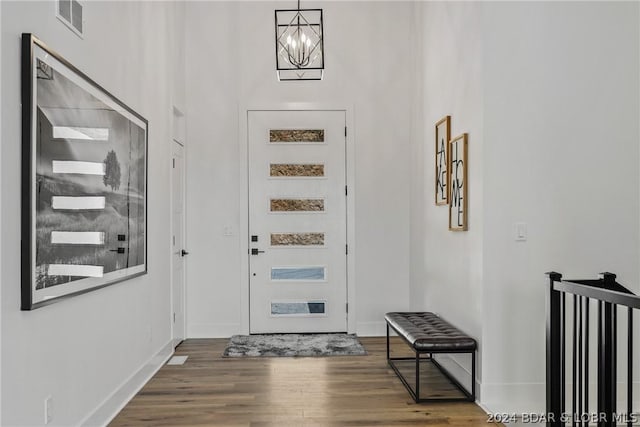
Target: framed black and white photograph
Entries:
(84, 182)
(443, 135)
(458, 185)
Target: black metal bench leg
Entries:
(417, 399)
(473, 376)
(387, 342)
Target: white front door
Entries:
(297, 221)
(177, 244)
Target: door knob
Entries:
(255, 251)
(184, 253)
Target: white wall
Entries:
(447, 266)
(230, 63)
(1, 260)
(561, 154)
(178, 64)
(552, 114)
(453, 86)
(83, 349)
(419, 186)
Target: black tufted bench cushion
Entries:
(427, 332)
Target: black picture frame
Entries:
(84, 182)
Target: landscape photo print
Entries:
(84, 182)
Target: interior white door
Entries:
(177, 248)
(297, 221)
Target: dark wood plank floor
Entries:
(209, 390)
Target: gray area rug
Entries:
(293, 345)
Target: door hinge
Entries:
(345, 191)
(174, 162)
(347, 307)
(174, 317)
(346, 249)
(345, 131)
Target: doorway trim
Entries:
(178, 136)
(243, 142)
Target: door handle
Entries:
(255, 251)
(184, 253)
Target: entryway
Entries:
(289, 391)
(297, 192)
(178, 251)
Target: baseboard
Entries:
(482, 406)
(514, 398)
(225, 330)
(371, 329)
(529, 398)
(113, 404)
(213, 330)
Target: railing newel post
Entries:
(555, 343)
(607, 356)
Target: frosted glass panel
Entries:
(295, 170)
(296, 135)
(297, 205)
(297, 239)
(298, 273)
(297, 308)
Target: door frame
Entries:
(178, 136)
(243, 141)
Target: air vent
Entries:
(70, 13)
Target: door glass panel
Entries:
(296, 135)
(297, 205)
(293, 170)
(297, 308)
(297, 239)
(298, 273)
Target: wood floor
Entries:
(209, 390)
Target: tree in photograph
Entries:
(111, 171)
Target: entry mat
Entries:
(293, 345)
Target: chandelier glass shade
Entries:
(299, 44)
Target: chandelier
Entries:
(299, 44)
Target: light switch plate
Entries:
(521, 231)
